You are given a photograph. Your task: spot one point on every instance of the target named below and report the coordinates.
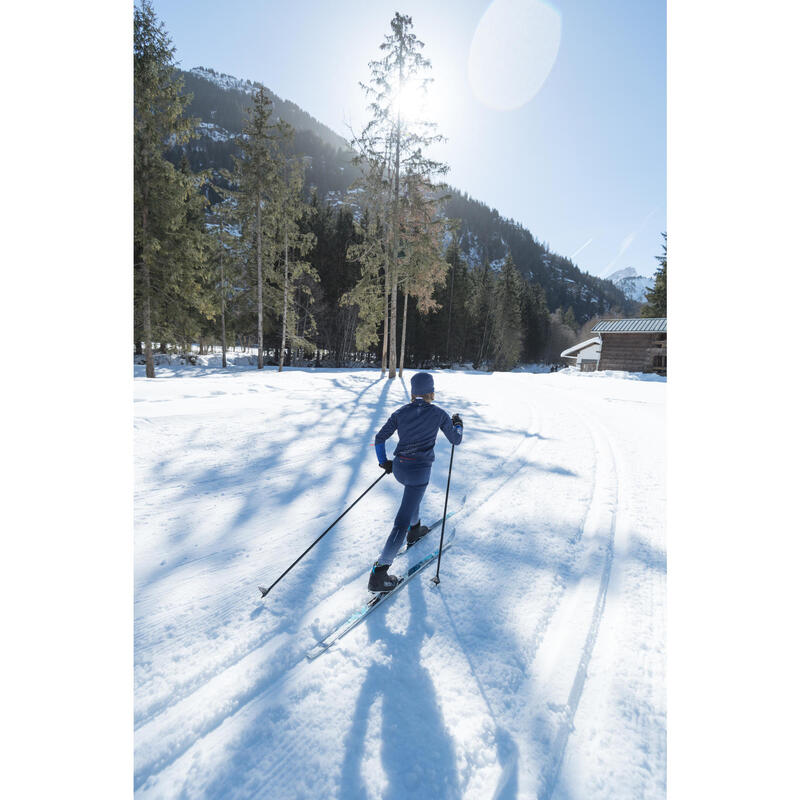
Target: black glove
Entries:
(457, 420)
(387, 465)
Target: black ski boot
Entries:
(380, 581)
(415, 533)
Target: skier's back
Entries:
(417, 424)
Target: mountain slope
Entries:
(219, 101)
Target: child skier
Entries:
(417, 425)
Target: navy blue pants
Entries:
(414, 477)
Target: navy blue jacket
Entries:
(417, 425)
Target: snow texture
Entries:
(536, 669)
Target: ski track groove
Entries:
(551, 772)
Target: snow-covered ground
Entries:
(536, 669)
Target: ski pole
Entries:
(435, 578)
(265, 592)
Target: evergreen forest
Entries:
(257, 227)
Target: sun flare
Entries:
(411, 101)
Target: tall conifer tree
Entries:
(292, 239)
(507, 344)
(396, 141)
(160, 191)
(258, 178)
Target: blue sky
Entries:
(581, 164)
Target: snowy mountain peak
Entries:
(628, 272)
(631, 284)
(224, 81)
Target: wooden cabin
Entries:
(586, 354)
(633, 345)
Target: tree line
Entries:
(248, 252)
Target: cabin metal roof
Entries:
(638, 325)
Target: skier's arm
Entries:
(452, 431)
(383, 434)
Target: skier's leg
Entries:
(412, 495)
(410, 474)
(415, 514)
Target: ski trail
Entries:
(552, 690)
(551, 772)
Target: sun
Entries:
(410, 102)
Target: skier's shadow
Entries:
(409, 753)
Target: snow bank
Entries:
(617, 374)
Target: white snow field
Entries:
(536, 669)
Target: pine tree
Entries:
(372, 249)
(481, 308)
(369, 295)
(160, 191)
(291, 210)
(258, 178)
(656, 305)
(535, 322)
(507, 317)
(190, 302)
(456, 303)
(422, 266)
(226, 243)
(393, 142)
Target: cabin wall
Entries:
(634, 352)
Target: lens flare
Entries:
(512, 52)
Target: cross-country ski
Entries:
(373, 602)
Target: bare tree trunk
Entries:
(222, 282)
(450, 311)
(285, 292)
(302, 331)
(395, 270)
(395, 232)
(403, 337)
(385, 318)
(481, 353)
(260, 285)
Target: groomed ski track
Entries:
(536, 668)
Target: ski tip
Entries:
(263, 591)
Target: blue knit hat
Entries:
(422, 383)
